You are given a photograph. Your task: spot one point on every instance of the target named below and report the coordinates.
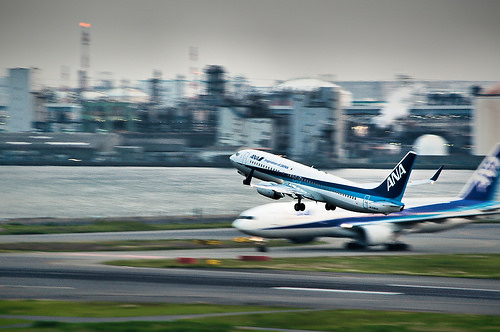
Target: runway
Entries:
(473, 238)
(79, 276)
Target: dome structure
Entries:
(431, 145)
(304, 84)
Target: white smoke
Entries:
(397, 107)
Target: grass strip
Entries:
(320, 320)
(455, 265)
(134, 245)
(116, 309)
(364, 320)
(102, 226)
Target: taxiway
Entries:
(79, 276)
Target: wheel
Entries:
(398, 246)
(299, 206)
(261, 248)
(354, 246)
(330, 207)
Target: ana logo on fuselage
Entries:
(395, 176)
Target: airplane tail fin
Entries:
(395, 184)
(483, 183)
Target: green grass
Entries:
(133, 245)
(177, 326)
(320, 320)
(111, 309)
(459, 265)
(363, 320)
(102, 226)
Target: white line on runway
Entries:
(337, 291)
(445, 287)
(29, 286)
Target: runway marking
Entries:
(446, 287)
(337, 291)
(45, 287)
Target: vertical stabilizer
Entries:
(482, 185)
(394, 185)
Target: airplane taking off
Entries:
(477, 199)
(284, 177)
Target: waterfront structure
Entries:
(20, 106)
(309, 118)
(108, 116)
(486, 121)
(4, 99)
(236, 127)
(63, 117)
(165, 92)
(363, 138)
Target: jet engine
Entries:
(269, 193)
(372, 235)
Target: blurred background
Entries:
(170, 83)
(334, 84)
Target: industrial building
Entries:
(486, 119)
(310, 120)
(21, 104)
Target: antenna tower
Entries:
(84, 56)
(194, 71)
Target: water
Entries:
(78, 192)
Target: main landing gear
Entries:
(397, 246)
(299, 206)
(330, 207)
(393, 246)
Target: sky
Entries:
(263, 40)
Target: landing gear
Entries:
(397, 246)
(248, 179)
(299, 206)
(261, 247)
(330, 207)
(354, 246)
(260, 244)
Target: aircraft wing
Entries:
(287, 189)
(403, 221)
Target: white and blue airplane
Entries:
(283, 177)
(477, 199)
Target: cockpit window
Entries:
(246, 217)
